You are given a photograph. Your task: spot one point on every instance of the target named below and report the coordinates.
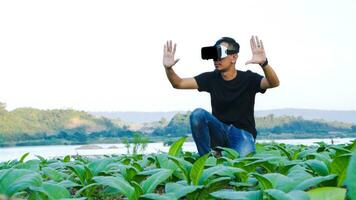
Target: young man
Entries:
(232, 93)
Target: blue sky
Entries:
(107, 55)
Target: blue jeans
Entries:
(209, 132)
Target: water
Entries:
(107, 149)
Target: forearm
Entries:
(271, 75)
(173, 77)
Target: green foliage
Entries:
(351, 177)
(327, 193)
(176, 147)
(285, 172)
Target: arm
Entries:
(259, 57)
(169, 62)
(270, 80)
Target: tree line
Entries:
(29, 126)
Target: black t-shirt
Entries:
(232, 101)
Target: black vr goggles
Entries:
(218, 51)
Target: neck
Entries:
(230, 74)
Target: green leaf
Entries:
(350, 180)
(197, 169)
(339, 166)
(77, 193)
(79, 171)
(151, 183)
(118, 183)
(280, 182)
(352, 146)
(130, 173)
(230, 153)
(68, 184)
(235, 195)
(30, 164)
(66, 159)
(317, 166)
(268, 162)
(211, 162)
(99, 165)
(179, 190)
(219, 170)
(42, 159)
(16, 180)
(176, 147)
(313, 182)
(293, 195)
(340, 150)
(298, 174)
(213, 185)
(52, 191)
(164, 162)
(327, 193)
(53, 174)
(285, 151)
(159, 197)
(138, 189)
(23, 157)
(264, 182)
(183, 165)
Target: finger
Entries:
(253, 42)
(174, 49)
(176, 61)
(167, 46)
(170, 46)
(258, 42)
(262, 45)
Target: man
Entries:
(232, 93)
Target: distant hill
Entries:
(31, 126)
(309, 114)
(34, 121)
(137, 117)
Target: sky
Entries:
(107, 55)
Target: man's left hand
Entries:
(258, 51)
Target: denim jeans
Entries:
(209, 132)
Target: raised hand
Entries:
(168, 55)
(258, 51)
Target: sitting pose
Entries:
(232, 94)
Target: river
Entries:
(10, 153)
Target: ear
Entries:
(234, 57)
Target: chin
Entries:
(220, 69)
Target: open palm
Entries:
(168, 55)
(258, 51)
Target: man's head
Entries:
(233, 49)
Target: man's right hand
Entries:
(168, 55)
(169, 62)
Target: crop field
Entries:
(274, 171)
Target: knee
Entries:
(197, 116)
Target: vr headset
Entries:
(218, 51)
(215, 52)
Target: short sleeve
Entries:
(203, 81)
(256, 82)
